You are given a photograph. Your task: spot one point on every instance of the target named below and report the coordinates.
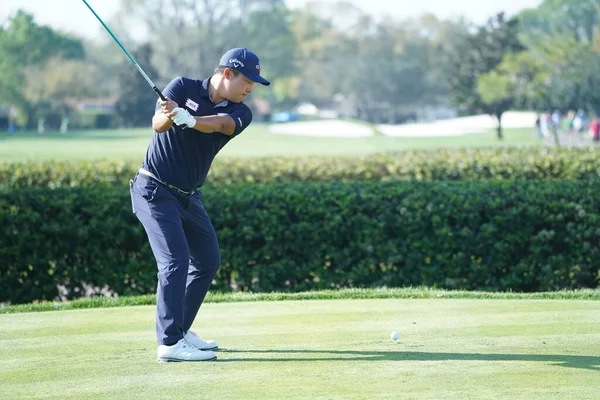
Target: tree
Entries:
(200, 32)
(383, 69)
(25, 45)
(135, 104)
(51, 88)
(496, 91)
(571, 76)
(575, 19)
(478, 55)
(269, 32)
(562, 37)
(321, 56)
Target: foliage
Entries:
(482, 52)
(563, 64)
(479, 235)
(331, 54)
(134, 106)
(578, 20)
(327, 294)
(25, 44)
(415, 165)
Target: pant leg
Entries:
(205, 259)
(159, 211)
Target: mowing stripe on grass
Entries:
(341, 294)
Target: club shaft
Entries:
(158, 92)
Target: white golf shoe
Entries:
(198, 343)
(183, 351)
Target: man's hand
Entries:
(161, 122)
(182, 117)
(168, 106)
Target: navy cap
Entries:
(246, 62)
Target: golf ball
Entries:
(394, 336)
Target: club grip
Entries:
(163, 98)
(159, 93)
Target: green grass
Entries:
(341, 294)
(314, 349)
(256, 141)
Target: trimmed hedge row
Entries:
(476, 235)
(423, 165)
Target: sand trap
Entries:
(460, 126)
(448, 127)
(324, 128)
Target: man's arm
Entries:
(228, 124)
(174, 91)
(215, 123)
(161, 122)
(206, 124)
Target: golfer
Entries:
(198, 118)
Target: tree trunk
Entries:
(554, 131)
(499, 130)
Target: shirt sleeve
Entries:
(175, 91)
(242, 117)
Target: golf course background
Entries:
(413, 214)
(317, 235)
(256, 141)
(521, 217)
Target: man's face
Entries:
(238, 87)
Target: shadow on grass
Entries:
(582, 362)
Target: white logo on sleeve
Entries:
(191, 104)
(238, 118)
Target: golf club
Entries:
(158, 92)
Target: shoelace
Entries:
(196, 336)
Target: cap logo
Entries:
(236, 63)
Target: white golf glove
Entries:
(183, 118)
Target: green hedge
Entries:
(424, 165)
(477, 235)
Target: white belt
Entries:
(150, 174)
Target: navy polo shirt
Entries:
(182, 156)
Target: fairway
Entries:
(316, 349)
(255, 141)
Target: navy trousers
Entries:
(186, 249)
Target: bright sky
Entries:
(74, 16)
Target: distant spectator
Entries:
(595, 129)
(580, 121)
(64, 125)
(545, 124)
(556, 119)
(538, 126)
(571, 122)
(40, 126)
